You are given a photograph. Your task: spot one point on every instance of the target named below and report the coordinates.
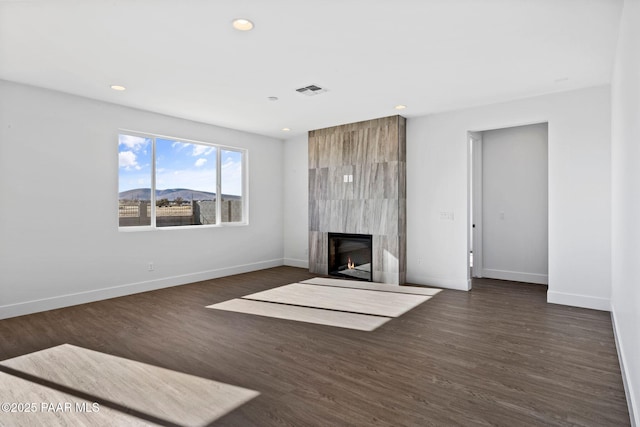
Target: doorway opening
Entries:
(508, 204)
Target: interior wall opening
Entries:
(508, 204)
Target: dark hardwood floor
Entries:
(498, 355)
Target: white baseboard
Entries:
(460, 285)
(301, 263)
(578, 300)
(34, 306)
(515, 276)
(628, 389)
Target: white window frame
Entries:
(219, 148)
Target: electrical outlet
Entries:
(150, 266)
(446, 216)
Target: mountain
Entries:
(171, 194)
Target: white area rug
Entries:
(133, 392)
(348, 304)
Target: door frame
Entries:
(475, 203)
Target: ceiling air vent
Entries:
(311, 90)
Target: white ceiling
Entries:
(182, 57)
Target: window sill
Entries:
(181, 227)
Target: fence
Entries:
(196, 213)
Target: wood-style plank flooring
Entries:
(498, 355)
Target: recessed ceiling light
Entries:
(286, 129)
(118, 88)
(242, 24)
(400, 107)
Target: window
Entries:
(167, 182)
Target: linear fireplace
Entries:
(350, 256)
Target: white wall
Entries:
(625, 299)
(59, 239)
(579, 192)
(514, 204)
(296, 202)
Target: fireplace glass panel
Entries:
(350, 256)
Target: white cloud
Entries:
(230, 164)
(128, 161)
(135, 143)
(202, 150)
(200, 162)
(179, 145)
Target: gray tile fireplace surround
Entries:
(357, 185)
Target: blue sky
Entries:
(178, 165)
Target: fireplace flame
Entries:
(350, 264)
